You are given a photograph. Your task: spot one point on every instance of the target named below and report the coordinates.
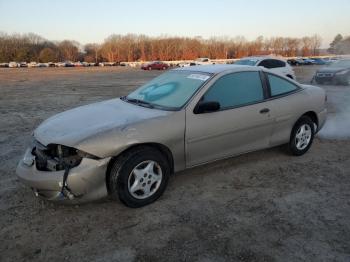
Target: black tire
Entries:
(121, 168)
(292, 146)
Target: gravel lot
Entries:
(262, 206)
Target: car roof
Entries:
(217, 68)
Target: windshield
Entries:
(170, 90)
(249, 62)
(341, 63)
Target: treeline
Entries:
(131, 47)
(340, 45)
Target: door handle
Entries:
(264, 111)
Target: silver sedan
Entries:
(127, 147)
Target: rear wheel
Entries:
(302, 136)
(138, 177)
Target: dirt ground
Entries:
(262, 206)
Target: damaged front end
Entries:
(57, 157)
(59, 172)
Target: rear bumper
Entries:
(86, 182)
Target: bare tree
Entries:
(131, 47)
(315, 42)
(92, 52)
(306, 46)
(68, 50)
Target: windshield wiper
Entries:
(138, 102)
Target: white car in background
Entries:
(32, 64)
(186, 64)
(14, 64)
(276, 65)
(198, 61)
(203, 61)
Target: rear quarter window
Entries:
(280, 86)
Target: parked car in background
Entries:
(4, 65)
(14, 64)
(42, 65)
(203, 61)
(335, 73)
(32, 64)
(69, 64)
(276, 65)
(319, 61)
(60, 64)
(186, 64)
(308, 61)
(107, 64)
(155, 65)
(128, 147)
(78, 64)
(23, 64)
(295, 62)
(333, 59)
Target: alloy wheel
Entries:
(145, 179)
(303, 137)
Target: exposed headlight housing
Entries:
(55, 157)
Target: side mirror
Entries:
(206, 107)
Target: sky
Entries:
(94, 20)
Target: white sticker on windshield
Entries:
(198, 77)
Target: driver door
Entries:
(243, 123)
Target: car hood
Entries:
(331, 69)
(74, 126)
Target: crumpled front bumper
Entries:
(87, 181)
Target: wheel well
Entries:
(162, 148)
(291, 77)
(313, 116)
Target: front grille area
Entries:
(324, 74)
(55, 157)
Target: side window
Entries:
(277, 63)
(280, 86)
(265, 63)
(236, 89)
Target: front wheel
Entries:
(138, 177)
(302, 136)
